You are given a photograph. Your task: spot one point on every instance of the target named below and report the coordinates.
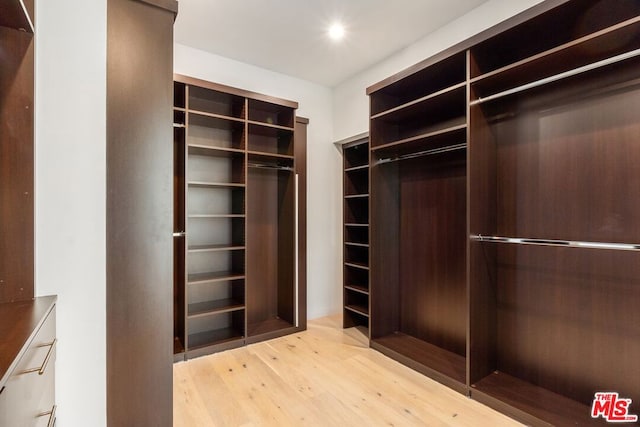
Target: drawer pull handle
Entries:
(52, 416)
(42, 368)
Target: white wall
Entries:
(70, 198)
(350, 102)
(324, 163)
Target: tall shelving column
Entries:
(212, 206)
(179, 220)
(356, 234)
(553, 215)
(272, 189)
(240, 195)
(418, 134)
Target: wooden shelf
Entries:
(433, 357)
(418, 107)
(216, 121)
(216, 116)
(415, 131)
(216, 216)
(538, 402)
(207, 150)
(364, 311)
(434, 138)
(271, 131)
(356, 196)
(358, 288)
(214, 248)
(220, 276)
(360, 265)
(218, 336)
(214, 307)
(269, 156)
(267, 326)
(215, 184)
(271, 114)
(268, 126)
(417, 83)
(216, 103)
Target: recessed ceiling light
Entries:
(336, 31)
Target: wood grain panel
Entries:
(300, 153)
(286, 246)
(566, 319)
(16, 166)
(568, 171)
(262, 245)
(433, 237)
(139, 214)
(482, 220)
(384, 249)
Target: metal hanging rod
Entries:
(560, 76)
(266, 166)
(446, 149)
(552, 242)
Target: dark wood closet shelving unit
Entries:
(237, 181)
(505, 212)
(356, 234)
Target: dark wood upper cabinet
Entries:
(505, 208)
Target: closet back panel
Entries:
(558, 319)
(568, 169)
(432, 266)
(270, 246)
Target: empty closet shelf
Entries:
(218, 276)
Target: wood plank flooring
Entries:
(325, 376)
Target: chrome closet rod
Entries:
(425, 153)
(553, 242)
(261, 166)
(560, 76)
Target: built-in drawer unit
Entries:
(27, 390)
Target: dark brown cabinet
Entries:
(239, 184)
(505, 209)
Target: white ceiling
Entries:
(289, 36)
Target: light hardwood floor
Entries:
(325, 376)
